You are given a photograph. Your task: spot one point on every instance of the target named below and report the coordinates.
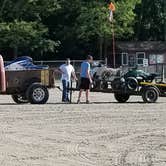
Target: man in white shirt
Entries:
(67, 70)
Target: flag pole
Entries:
(113, 46)
(111, 19)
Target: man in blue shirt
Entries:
(86, 79)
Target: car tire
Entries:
(121, 98)
(37, 94)
(150, 95)
(132, 83)
(19, 99)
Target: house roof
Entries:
(141, 46)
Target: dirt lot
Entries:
(100, 134)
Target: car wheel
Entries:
(37, 94)
(121, 98)
(150, 95)
(19, 99)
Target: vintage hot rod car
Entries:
(138, 82)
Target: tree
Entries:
(27, 10)
(84, 25)
(62, 27)
(125, 18)
(151, 20)
(22, 25)
(93, 22)
(22, 35)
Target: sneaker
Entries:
(87, 102)
(68, 100)
(65, 101)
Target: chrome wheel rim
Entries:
(38, 94)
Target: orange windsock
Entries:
(112, 7)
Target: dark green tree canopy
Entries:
(151, 20)
(77, 27)
(22, 25)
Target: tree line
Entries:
(56, 29)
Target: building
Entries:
(149, 54)
(133, 53)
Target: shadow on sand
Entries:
(82, 103)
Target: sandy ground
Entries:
(100, 134)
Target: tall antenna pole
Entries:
(111, 19)
(113, 46)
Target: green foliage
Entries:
(27, 9)
(93, 20)
(20, 33)
(22, 25)
(84, 25)
(151, 20)
(125, 18)
(79, 25)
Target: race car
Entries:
(140, 83)
(141, 75)
(23, 63)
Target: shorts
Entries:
(85, 83)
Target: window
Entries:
(132, 60)
(140, 58)
(124, 59)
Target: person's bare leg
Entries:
(87, 96)
(79, 96)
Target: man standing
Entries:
(67, 70)
(86, 79)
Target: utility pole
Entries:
(111, 19)
(113, 46)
